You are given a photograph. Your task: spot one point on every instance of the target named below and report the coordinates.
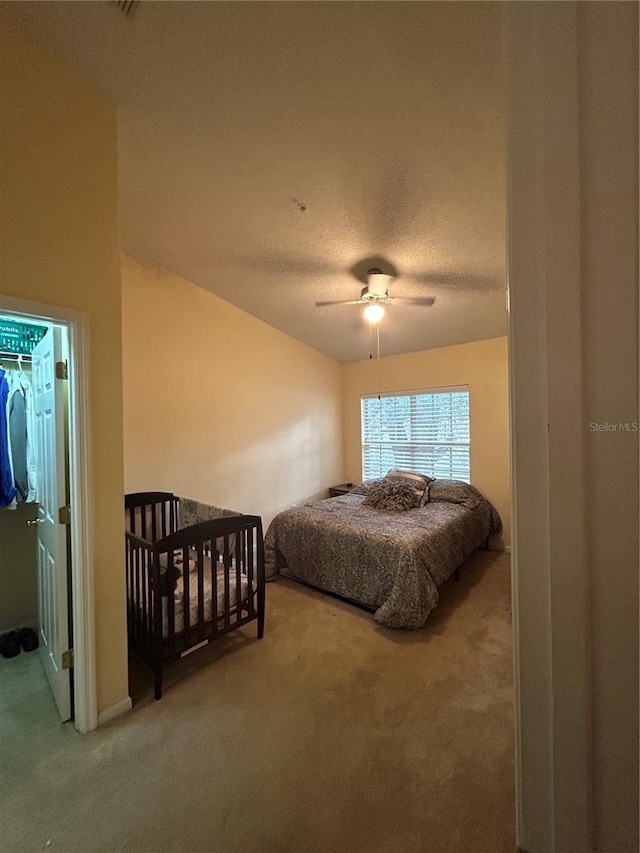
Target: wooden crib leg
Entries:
(157, 682)
(260, 614)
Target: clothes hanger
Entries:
(22, 376)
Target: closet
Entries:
(33, 477)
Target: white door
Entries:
(53, 604)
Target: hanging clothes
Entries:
(7, 489)
(22, 436)
(32, 466)
(18, 439)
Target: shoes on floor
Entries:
(9, 645)
(11, 642)
(28, 639)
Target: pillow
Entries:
(418, 482)
(393, 495)
(455, 492)
(363, 487)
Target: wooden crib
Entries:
(188, 586)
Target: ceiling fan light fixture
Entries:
(374, 312)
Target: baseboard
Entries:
(117, 710)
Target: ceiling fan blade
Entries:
(415, 300)
(341, 302)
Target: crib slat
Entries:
(143, 632)
(140, 615)
(260, 579)
(250, 558)
(186, 596)
(145, 607)
(155, 596)
(214, 566)
(131, 607)
(227, 568)
(240, 538)
(143, 610)
(156, 639)
(171, 608)
(131, 590)
(137, 595)
(200, 565)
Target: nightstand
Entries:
(340, 489)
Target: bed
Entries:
(389, 562)
(193, 572)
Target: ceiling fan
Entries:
(375, 295)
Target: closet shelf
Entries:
(17, 338)
(12, 356)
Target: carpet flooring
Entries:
(330, 734)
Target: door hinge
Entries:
(62, 370)
(67, 659)
(64, 514)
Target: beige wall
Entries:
(220, 407)
(59, 245)
(483, 367)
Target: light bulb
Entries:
(374, 312)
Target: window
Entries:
(424, 432)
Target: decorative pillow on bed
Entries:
(363, 487)
(455, 492)
(392, 495)
(418, 482)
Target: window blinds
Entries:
(427, 433)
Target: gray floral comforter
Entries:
(391, 562)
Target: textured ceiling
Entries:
(270, 151)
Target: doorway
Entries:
(46, 571)
(34, 555)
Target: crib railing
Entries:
(151, 515)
